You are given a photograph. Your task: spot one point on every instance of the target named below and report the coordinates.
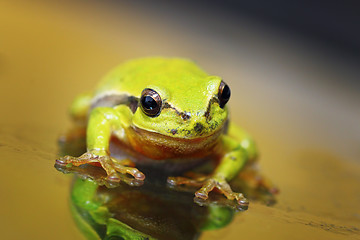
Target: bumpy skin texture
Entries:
(190, 126)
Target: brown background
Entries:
(299, 101)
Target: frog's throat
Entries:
(158, 146)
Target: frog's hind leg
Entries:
(245, 141)
(79, 112)
(80, 107)
(250, 173)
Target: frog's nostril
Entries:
(198, 127)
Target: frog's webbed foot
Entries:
(222, 185)
(207, 185)
(109, 164)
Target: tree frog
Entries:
(165, 112)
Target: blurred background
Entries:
(293, 67)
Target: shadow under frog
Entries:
(152, 210)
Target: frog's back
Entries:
(133, 76)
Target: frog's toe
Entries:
(139, 175)
(202, 194)
(134, 172)
(62, 161)
(113, 177)
(243, 201)
(66, 160)
(208, 186)
(225, 189)
(128, 170)
(176, 181)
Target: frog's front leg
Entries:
(237, 149)
(102, 122)
(230, 165)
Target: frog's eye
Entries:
(150, 102)
(224, 94)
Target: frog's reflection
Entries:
(149, 212)
(152, 210)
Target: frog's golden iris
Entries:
(150, 102)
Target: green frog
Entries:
(164, 112)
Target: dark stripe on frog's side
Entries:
(113, 99)
(208, 109)
(184, 115)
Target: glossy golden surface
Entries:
(285, 92)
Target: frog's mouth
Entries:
(158, 146)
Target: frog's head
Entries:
(182, 101)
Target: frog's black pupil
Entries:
(226, 93)
(149, 103)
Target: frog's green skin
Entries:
(190, 126)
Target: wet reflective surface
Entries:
(146, 212)
(152, 208)
(286, 93)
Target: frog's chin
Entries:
(158, 146)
